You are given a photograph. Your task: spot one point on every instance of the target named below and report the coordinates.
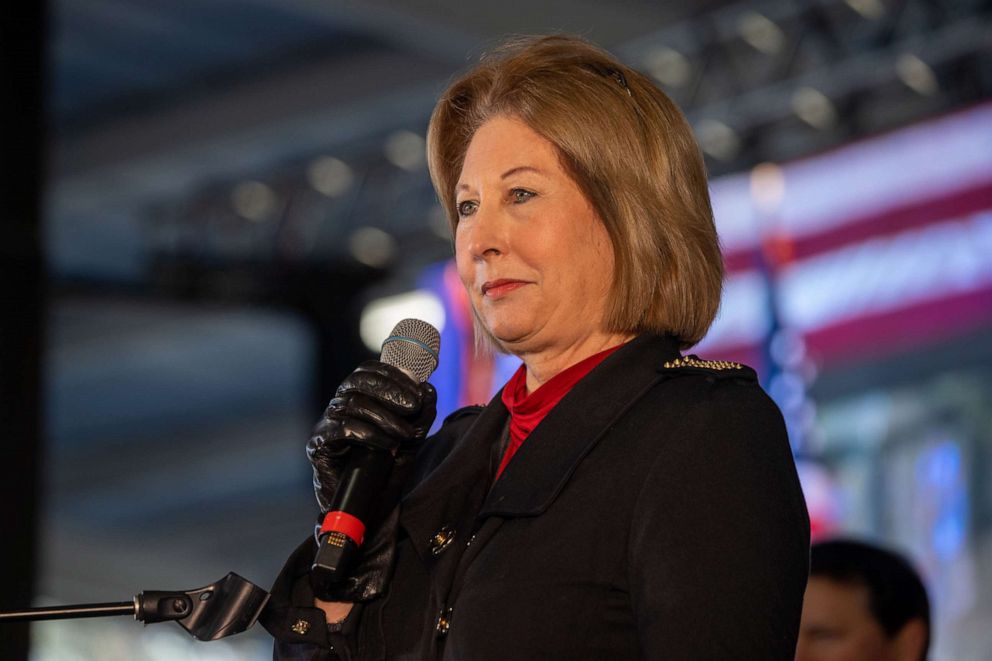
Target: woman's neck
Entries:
(544, 365)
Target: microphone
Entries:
(413, 347)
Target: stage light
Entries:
(381, 315)
(767, 187)
(329, 176)
(917, 75)
(253, 200)
(668, 66)
(813, 107)
(870, 9)
(372, 246)
(405, 149)
(717, 139)
(759, 31)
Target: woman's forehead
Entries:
(503, 146)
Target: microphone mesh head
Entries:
(413, 347)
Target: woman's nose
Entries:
(486, 233)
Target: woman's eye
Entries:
(520, 195)
(466, 208)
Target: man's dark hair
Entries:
(895, 592)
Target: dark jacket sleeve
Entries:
(719, 544)
(299, 628)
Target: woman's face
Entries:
(532, 253)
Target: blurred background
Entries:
(216, 209)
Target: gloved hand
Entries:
(379, 406)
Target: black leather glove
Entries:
(379, 406)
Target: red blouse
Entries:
(527, 411)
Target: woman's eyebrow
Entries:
(509, 173)
(521, 168)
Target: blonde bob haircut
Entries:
(629, 149)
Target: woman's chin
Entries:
(509, 336)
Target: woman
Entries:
(615, 500)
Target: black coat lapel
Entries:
(545, 462)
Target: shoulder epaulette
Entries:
(716, 368)
(696, 361)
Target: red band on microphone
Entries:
(344, 523)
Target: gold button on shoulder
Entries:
(442, 539)
(300, 627)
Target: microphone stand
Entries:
(223, 608)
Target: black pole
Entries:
(223, 608)
(69, 612)
(21, 306)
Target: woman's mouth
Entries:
(498, 288)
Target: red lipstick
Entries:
(500, 288)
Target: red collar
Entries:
(527, 410)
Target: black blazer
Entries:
(655, 513)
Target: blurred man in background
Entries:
(863, 603)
